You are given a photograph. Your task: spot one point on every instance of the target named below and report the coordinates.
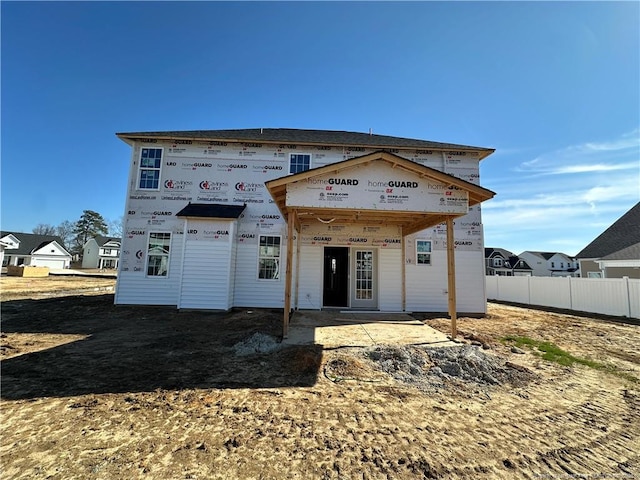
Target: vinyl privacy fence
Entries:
(608, 296)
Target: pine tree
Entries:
(90, 224)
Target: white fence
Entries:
(608, 296)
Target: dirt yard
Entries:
(95, 391)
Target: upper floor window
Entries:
(106, 251)
(497, 262)
(299, 162)
(423, 252)
(150, 163)
(553, 264)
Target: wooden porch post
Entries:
(451, 276)
(291, 226)
(404, 272)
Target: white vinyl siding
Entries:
(427, 288)
(250, 291)
(206, 274)
(310, 281)
(390, 280)
(135, 288)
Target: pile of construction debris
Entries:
(429, 368)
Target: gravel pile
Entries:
(257, 343)
(429, 368)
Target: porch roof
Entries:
(211, 210)
(410, 221)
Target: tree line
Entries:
(75, 234)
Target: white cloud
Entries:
(563, 199)
(598, 167)
(622, 153)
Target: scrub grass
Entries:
(552, 353)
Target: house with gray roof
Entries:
(550, 264)
(101, 252)
(34, 250)
(615, 253)
(302, 219)
(501, 262)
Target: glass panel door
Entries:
(364, 279)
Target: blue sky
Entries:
(553, 87)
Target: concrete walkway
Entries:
(336, 329)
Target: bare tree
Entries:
(66, 232)
(44, 229)
(116, 227)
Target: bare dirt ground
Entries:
(95, 391)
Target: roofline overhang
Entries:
(130, 139)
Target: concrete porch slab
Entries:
(335, 329)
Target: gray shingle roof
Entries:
(629, 253)
(488, 251)
(623, 233)
(101, 240)
(317, 137)
(211, 210)
(30, 242)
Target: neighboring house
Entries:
(550, 264)
(7, 242)
(309, 219)
(101, 252)
(499, 261)
(615, 253)
(35, 250)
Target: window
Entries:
(423, 252)
(158, 254)
(497, 262)
(150, 163)
(553, 264)
(594, 274)
(299, 162)
(561, 264)
(106, 251)
(269, 258)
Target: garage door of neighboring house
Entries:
(53, 263)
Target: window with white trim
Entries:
(269, 258)
(299, 162)
(150, 164)
(158, 254)
(497, 262)
(423, 252)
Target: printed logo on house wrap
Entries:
(177, 184)
(229, 167)
(212, 185)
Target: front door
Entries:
(335, 292)
(364, 286)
